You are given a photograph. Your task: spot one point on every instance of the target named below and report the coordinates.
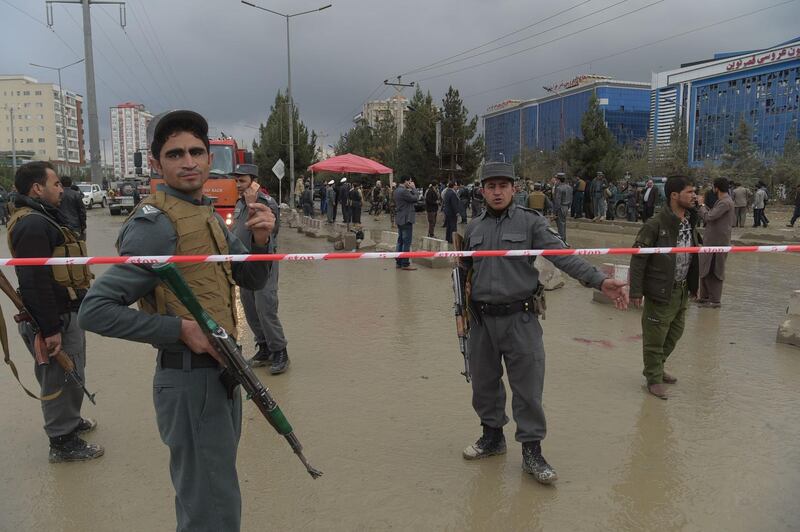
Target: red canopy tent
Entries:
(350, 163)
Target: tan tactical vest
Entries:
(536, 200)
(73, 276)
(199, 233)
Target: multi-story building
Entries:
(713, 96)
(545, 123)
(39, 124)
(394, 109)
(128, 135)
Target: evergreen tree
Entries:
(740, 161)
(416, 152)
(787, 167)
(537, 165)
(461, 151)
(273, 144)
(596, 151)
(676, 161)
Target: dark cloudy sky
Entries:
(227, 60)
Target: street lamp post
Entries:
(289, 86)
(63, 108)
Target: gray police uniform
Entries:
(515, 337)
(196, 418)
(563, 201)
(261, 306)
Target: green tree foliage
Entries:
(461, 151)
(787, 167)
(740, 161)
(537, 165)
(273, 144)
(676, 161)
(635, 159)
(378, 143)
(416, 152)
(596, 151)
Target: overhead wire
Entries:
(166, 57)
(634, 48)
(143, 86)
(487, 43)
(483, 63)
(529, 37)
(157, 57)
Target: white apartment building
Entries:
(39, 125)
(394, 108)
(128, 134)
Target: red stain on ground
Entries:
(602, 343)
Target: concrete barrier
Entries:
(620, 272)
(549, 275)
(313, 227)
(387, 242)
(789, 330)
(434, 244)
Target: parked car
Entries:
(121, 197)
(93, 195)
(618, 202)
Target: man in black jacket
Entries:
(72, 209)
(52, 295)
(665, 280)
(451, 206)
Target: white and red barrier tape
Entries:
(300, 257)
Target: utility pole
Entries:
(91, 93)
(289, 87)
(398, 116)
(64, 135)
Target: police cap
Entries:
(246, 169)
(494, 170)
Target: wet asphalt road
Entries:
(375, 395)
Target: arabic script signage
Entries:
(760, 59)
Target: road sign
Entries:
(278, 169)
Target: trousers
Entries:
(261, 312)
(201, 426)
(662, 327)
(515, 340)
(405, 233)
(451, 226)
(741, 216)
(710, 288)
(431, 222)
(561, 221)
(62, 414)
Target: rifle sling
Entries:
(7, 359)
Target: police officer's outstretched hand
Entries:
(261, 222)
(616, 292)
(197, 341)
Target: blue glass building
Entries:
(545, 123)
(713, 96)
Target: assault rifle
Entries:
(237, 367)
(40, 352)
(460, 308)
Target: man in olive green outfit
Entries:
(665, 280)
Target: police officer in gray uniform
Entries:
(199, 417)
(505, 302)
(261, 306)
(562, 200)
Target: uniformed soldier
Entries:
(199, 418)
(537, 199)
(52, 295)
(505, 302)
(261, 306)
(562, 201)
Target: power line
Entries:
(444, 62)
(613, 19)
(351, 114)
(634, 48)
(156, 56)
(163, 53)
(122, 61)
